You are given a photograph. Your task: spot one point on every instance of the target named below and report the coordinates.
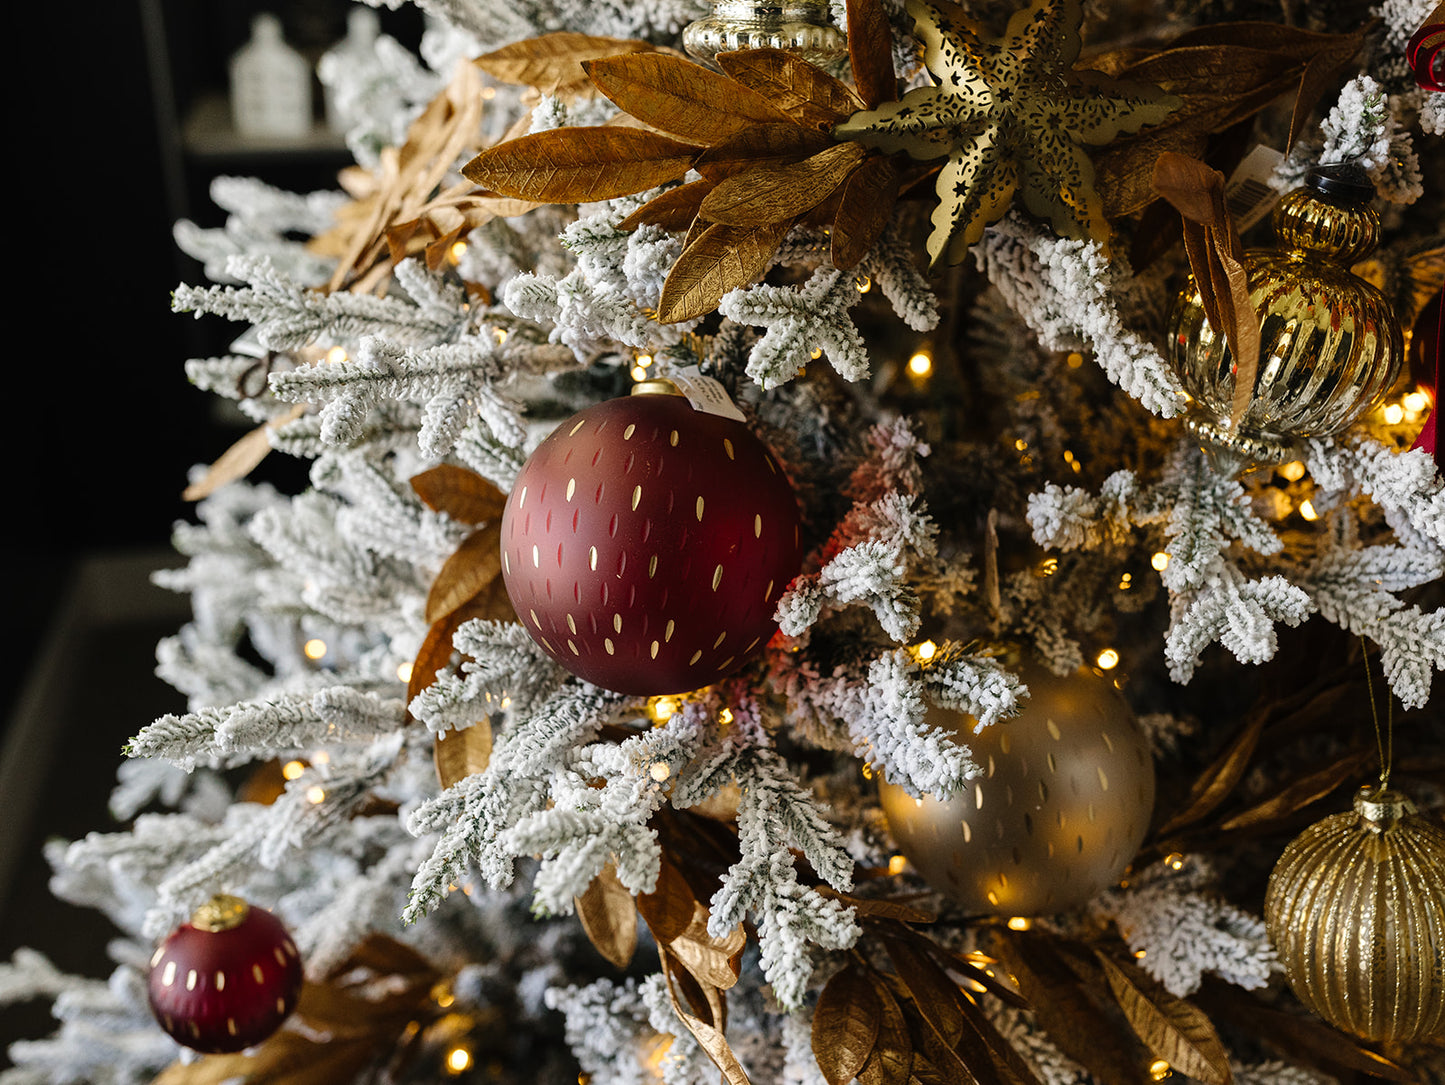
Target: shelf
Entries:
(208, 134)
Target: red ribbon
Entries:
(1432, 345)
(1426, 52)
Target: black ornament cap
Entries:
(1343, 183)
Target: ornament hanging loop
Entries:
(1384, 741)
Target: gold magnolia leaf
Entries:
(867, 205)
(845, 1024)
(669, 908)
(1217, 262)
(1074, 1022)
(1305, 1038)
(674, 210)
(553, 62)
(473, 565)
(580, 165)
(891, 1060)
(461, 494)
(993, 1049)
(709, 1036)
(720, 258)
(1224, 74)
(778, 193)
(1174, 1030)
(935, 995)
(807, 94)
(241, 458)
(459, 754)
(870, 52)
(680, 97)
(760, 145)
(878, 908)
(609, 917)
(1214, 784)
(1304, 791)
(990, 982)
(714, 961)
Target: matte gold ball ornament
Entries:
(795, 26)
(1060, 810)
(1330, 345)
(1356, 910)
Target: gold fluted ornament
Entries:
(1060, 810)
(797, 26)
(1330, 345)
(1356, 911)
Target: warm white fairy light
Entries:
(315, 648)
(457, 251)
(1307, 510)
(663, 708)
(336, 355)
(1415, 402)
(1075, 360)
(293, 769)
(863, 283)
(927, 650)
(403, 672)
(1160, 561)
(1020, 923)
(1394, 414)
(1107, 660)
(1292, 471)
(315, 794)
(660, 771)
(921, 364)
(459, 1060)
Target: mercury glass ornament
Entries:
(798, 26)
(1330, 345)
(1356, 911)
(1059, 812)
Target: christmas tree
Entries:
(842, 542)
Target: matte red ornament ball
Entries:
(645, 544)
(226, 980)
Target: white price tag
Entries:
(1247, 193)
(704, 393)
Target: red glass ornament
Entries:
(1425, 350)
(645, 544)
(227, 979)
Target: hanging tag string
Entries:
(1384, 742)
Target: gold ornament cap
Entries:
(223, 912)
(797, 26)
(1381, 808)
(655, 386)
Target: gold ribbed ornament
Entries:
(1330, 345)
(1060, 810)
(1356, 911)
(797, 26)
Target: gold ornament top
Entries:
(656, 386)
(222, 912)
(1011, 115)
(1331, 216)
(1381, 808)
(796, 26)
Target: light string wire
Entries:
(1384, 742)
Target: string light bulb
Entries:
(293, 769)
(1394, 414)
(1159, 1069)
(1160, 561)
(921, 364)
(1292, 471)
(315, 794)
(403, 671)
(1020, 923)
(457, 251)
(315, 648)
(1107, 660)
(1307, 510)
(926, 651)
(459, 1059)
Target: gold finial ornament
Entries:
(798, 26)
(1356, 911)
(1330, 345)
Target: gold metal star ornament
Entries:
(1011, 115)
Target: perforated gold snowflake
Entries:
(1011, 115)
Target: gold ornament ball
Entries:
(1061, 808)
(1356, 910)
(1330, 345)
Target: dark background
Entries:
(102, 425)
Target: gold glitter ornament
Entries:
(795, 26)
(1059, 812)
(1011, 116)
(1330, 344)
(1356, 911)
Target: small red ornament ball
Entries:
(645, 544)
(227, 979)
